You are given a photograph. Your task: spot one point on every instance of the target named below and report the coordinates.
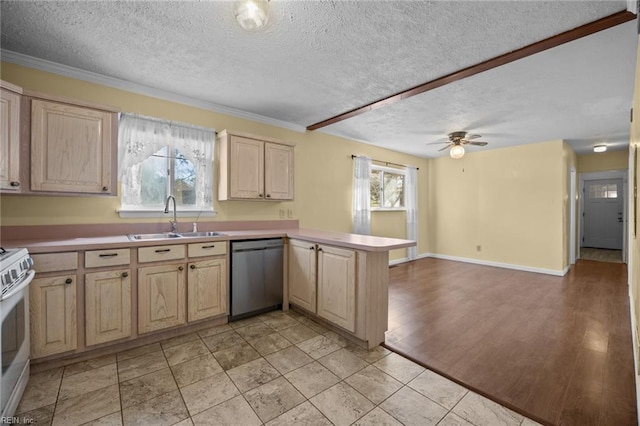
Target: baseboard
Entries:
(634, 339)
(558, 273)
(406, 259)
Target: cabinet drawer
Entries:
(98, 258)
(207, 249)
(160, 253)
(51, 262)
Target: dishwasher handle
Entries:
(248, 249)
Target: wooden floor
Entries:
(556, 349)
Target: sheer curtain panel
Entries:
(362, 195)
(140, 137)
(411, 204)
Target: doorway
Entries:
(603, 215)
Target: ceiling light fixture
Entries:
(457, 152)
(252, 15)
(599, 148)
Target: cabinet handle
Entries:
(268, 195)
(180, 268)
(209, 247)
(15, 184)
(311, 248)
(260, 195)
(105, 188)
(125, 274)
(162, 250)
(319, 248)
(68, 281)
(108, 254)
(192, 266)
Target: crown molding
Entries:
(91, 77)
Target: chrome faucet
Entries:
(174, 222)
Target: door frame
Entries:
(573, 251)
(612, 174)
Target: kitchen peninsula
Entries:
(107, 292)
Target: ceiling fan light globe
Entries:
(252, 15)
(457, 152)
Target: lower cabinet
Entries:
(161, 297)
(337, 286)
(207, 289)
(53, 315)
(107, 306)
(322, 280)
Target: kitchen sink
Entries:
(201, 234)
(165, 235)
(160, 236)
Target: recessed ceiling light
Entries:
(599, 148)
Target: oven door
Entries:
(14, 313)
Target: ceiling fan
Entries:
(455, 142)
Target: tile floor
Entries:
(275, 369)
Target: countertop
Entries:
(358, 242)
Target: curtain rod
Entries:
(385, 162)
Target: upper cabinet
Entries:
(10, 137)
(254, 167)
(56, 146)
(72, 148)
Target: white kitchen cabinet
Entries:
(73, 148)
(254, 167)
(107, 306)
(161, 297)
(53, 315)
(10, 98)
(337, 286)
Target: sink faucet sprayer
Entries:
(174, 222)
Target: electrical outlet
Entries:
(478, 248)
(290, 213)
(281, 213)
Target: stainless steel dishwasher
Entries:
(256, 277)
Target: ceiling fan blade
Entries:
(479, 143)
(443, 148)
(471, 136)
(436, 143)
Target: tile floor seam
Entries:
(176, 382)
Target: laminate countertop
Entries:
(354, 241)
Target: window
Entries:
(603, 190)
(160, 158)
(387, 188)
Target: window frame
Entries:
(395, 171)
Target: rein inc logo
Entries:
(16, 420)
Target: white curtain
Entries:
(140, 137)
(411, 201)
(362, 196)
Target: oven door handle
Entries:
(27, 280)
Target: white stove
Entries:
(15, 275)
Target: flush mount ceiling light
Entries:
(457, 152)
(252, 15)
(599, 148)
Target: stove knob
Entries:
(6, 279)
(14, 274)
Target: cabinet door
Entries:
(246, 168)
(161, 297)
(278, 171)
(53, 315)
(337, 286)
(9, 140)
(71, 148)
(207, 288)
(302, 274)
(107, 306)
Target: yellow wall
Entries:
(509, 201)
(603, 161)
(570, 161)
(323, 175)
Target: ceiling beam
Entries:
(537, 47)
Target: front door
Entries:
(603, 220)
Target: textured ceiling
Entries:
(317, 59)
